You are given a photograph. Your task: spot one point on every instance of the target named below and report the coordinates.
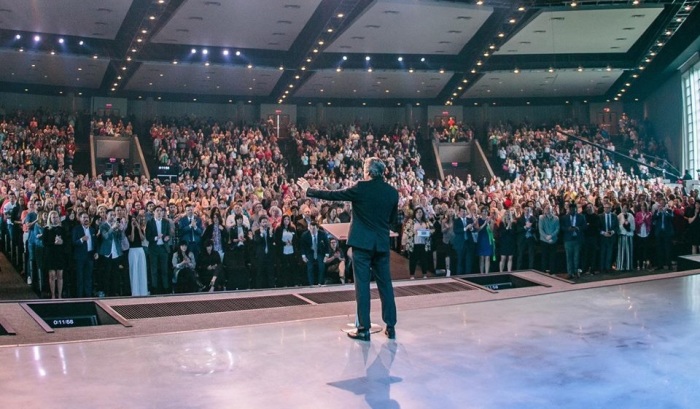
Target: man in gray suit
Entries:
(374, 209)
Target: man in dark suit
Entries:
(190, 230)
(526, 237)
(463, 241)
(264, 250)
(609, 227)
(158, 236)
(84, 251)
(662, 225)
(572, 225)
(314, 245)
(374, 209)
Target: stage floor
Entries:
(624, 346)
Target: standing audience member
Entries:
(486, 246)
(111, 251)
(506, 241)
(264, 251)
(625, 243)
(138, 276)
(526, 230)
(54, 237)
(573, 227)
(286, 239)
(84, 239)
(314, 245)
(158, 236)
(549, 234)
(664, 232)
(416, 242)
(610, 228)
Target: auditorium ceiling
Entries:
(345, 52)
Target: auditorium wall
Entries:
(664, 110)
(69, 102)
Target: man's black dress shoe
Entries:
(390, 332)
(359, 335)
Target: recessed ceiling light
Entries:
(574, 4)
(205, 51)
(422, 59)
(367, 58)
(400, 59)
(410, 70)
(250, 65)
(338, 69)
(341, 15)
(330, 30)
(144, 31)
(442, 71)
(225, 52)
(281, 68)
(369, 69)
(315, 50)
(521, 8)
(138, 40)
(152, 17)
(61, 40)
(512, 21)
(345, 58)
(81, 42)
(37, 38)
(501, 35)
(193, 51)
(18, 36)
(320, 42)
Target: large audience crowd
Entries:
(235, 219)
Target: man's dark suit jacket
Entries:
(565, 224)
(80, 247)
(374, 210)
(321, 247)
(152, 232)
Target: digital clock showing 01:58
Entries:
(72, 321)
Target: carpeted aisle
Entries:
(12, 286)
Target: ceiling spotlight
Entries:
(133, 50)
(369, 69)
(422, 59)
(330, 30)
(367, 58)
(174, 62)
(238, 53)
(338, 69)
(144, 31)
(81, 42)
(128, 58)
(516, 71)
(315, 50)
(53, 52)
(206, 64)
(478, 63)
(281, 67)
(551, 69)
(291, 85)
(668, 32)
(479, 2)
(345, 58)
(635, 2)
(341, 15)
(521, 8)
(320, 42)
(501, 35)
(225, 52)
(580, 69)
(400, 59)
(492, 47)
(193, 51)
(205, 51)
(660, 44)
(18, 36)
(152, 17)
(37, 38)
(465, 80)
(486, 54)
(303, 68)
(308, 60)
(296, 77)
(61, 40)
(608, 68)
(250, 65)
(138, 40)
(94, 57)
(442, 71)
(473, 71)
(574, 4)
(512, 21)
(410, 70)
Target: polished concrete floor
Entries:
(625, 346)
